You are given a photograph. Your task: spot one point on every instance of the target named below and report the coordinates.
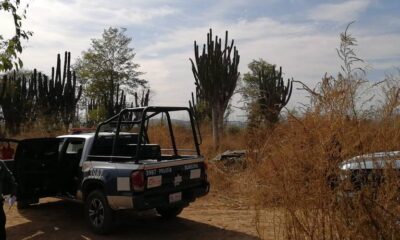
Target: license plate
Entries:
(175, 197)
(154, 181)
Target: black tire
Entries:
(169, 213)
(98, 213)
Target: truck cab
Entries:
(140, 159)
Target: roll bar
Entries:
(142, 112)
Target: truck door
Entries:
(36, 167)
(69, 161)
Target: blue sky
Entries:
(299, 35)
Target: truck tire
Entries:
(169, 213)
(98, 213)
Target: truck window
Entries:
(159, 133)
(74, 147)
(72, 154)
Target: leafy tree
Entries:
(107, 68)
(264, 92)
(216, 74)
(250, 79)
(10, 48)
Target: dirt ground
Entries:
(212, 217)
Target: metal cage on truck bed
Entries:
(115, 144)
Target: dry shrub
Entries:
(38, 133)
(222, 180)
(299, 162)
(295, 165)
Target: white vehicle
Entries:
(368, 169)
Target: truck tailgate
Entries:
(172, 184)
(161, 178)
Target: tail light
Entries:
(137, 181)
(205, 166)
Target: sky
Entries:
(299, 35)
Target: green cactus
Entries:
(201, 109)
(71, 93)
(58, 97)
(264, 93)
(216, 74)
(120, 102)
(25, 99)
(97, 107)
(17, 100)
(273, 94)
(143, 101)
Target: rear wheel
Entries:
(98, 213)
(170, 212)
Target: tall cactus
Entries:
(193, 105)
(59, 96)
(24, 99)
(120, 102)
(71, 93)
(216, 74)
(142, 101)
(273, 93)
(201, 109)
(94, 105)
(93, 115)
(17, 100)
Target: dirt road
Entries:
(212, 217)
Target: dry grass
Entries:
(287, 175)
(289, 169)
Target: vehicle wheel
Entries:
(169, 213)
(98, 213)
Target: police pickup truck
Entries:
(122, 165)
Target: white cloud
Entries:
(68, 26)
(304, 52)
(7, 25)
(301, 48)
(339, 12)
(380, 46)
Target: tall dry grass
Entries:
(300, 159)
(289, 170)
(293, 168)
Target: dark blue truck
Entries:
(119, 166)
